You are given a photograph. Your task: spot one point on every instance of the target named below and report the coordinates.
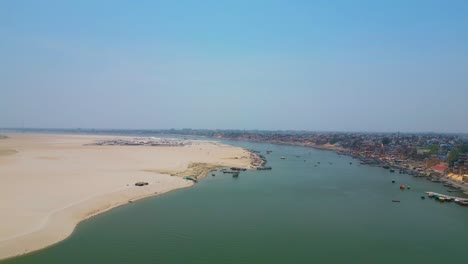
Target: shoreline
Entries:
(58, 224)
(31, 237)
(449, 178)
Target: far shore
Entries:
(50, 183)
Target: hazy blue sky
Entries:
(310, 65)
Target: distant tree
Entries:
(386, 141)
(434, 149)
(453, 156)
(333, 140)
(464, 148)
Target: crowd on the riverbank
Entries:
(151, 141)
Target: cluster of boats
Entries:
(438, 196)
(446, 198)
(235, 173)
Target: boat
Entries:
(238, 169)
(231, 172)
(386, 167)
(283, 157)
(190, 178)
(212, 175)
(235, 175)
(402, 187)
(422, 197)
(408, 187)
(393, 181)
(392, 170)
(396, 201)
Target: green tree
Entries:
(333, 140)
(453, 156)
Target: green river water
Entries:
(296, 213)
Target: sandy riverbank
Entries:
(49, 183)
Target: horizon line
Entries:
(245, 130)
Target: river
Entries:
(299, 212)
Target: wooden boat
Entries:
(238, 169)
(190, 178)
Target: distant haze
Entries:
(299, 65)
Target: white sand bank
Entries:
(49, 183)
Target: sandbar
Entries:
(49, 183)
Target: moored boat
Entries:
(190, 178)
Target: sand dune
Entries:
(49, 183)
